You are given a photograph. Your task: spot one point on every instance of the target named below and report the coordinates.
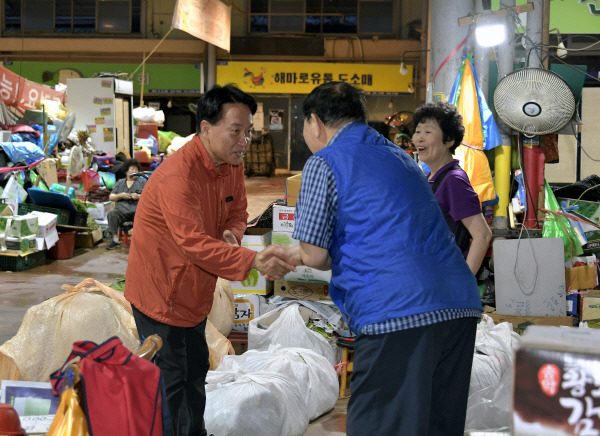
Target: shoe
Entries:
(113, 245)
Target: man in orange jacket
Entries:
(189, 219)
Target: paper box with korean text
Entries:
(283, 218)
(47, 234)
(255, 283)
(247, 308)
(555, 382)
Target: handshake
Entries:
(273, 262)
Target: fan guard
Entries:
(534, 101)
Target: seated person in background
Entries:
(125, 194)
(439, 131)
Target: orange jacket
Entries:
(176, 252)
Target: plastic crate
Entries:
(22, 262)
(63, 216)
(78, 219)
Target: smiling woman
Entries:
(438, 133)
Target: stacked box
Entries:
(283, 228)
(19, 225)
(590, 308)
(292, 187)
(21, 244)
(255, 283)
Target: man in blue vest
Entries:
(366, 210)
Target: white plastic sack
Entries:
(315, 376)
(148, 115)
(223, 309)
(288, 329)
(48, 330)
(489, 406)
(257, 404)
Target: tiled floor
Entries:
(19, 291)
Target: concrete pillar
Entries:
(446, 34)
(535, 20)
(481, 60)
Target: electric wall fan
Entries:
(534, 101)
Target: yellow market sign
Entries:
(303, 77)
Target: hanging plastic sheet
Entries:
(481, 132)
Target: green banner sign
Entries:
(575, 16)
(158, 79)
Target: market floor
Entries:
(21, 290)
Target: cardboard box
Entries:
(555, 379)
(99, 210)
(19, 225)
(302, 273)
(292, 187)
(283, 218)
(47, 234)
(255, 283)
(88, 238)
(247, 308)
(590, 308)
(21, 244)
(520, 323)
(302, 290)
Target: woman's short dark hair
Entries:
(336, 103)
(131, 163)
(210, 105)
(447, 117)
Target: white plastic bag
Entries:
(288, 329)
(490, 403)
(256, 404)
(315, 376)
(13, 190)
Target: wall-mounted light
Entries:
(403, 69)
(490, 30)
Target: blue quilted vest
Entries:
(392, 252)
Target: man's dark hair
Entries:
(336, 103)
(210, 105)
(447, 117)
(131, 163)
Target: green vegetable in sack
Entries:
(251, 280)
(557, 226)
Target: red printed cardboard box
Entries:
(556, 382)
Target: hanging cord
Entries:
(529, 289)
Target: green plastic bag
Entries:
(164, 140)
(557, 226)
